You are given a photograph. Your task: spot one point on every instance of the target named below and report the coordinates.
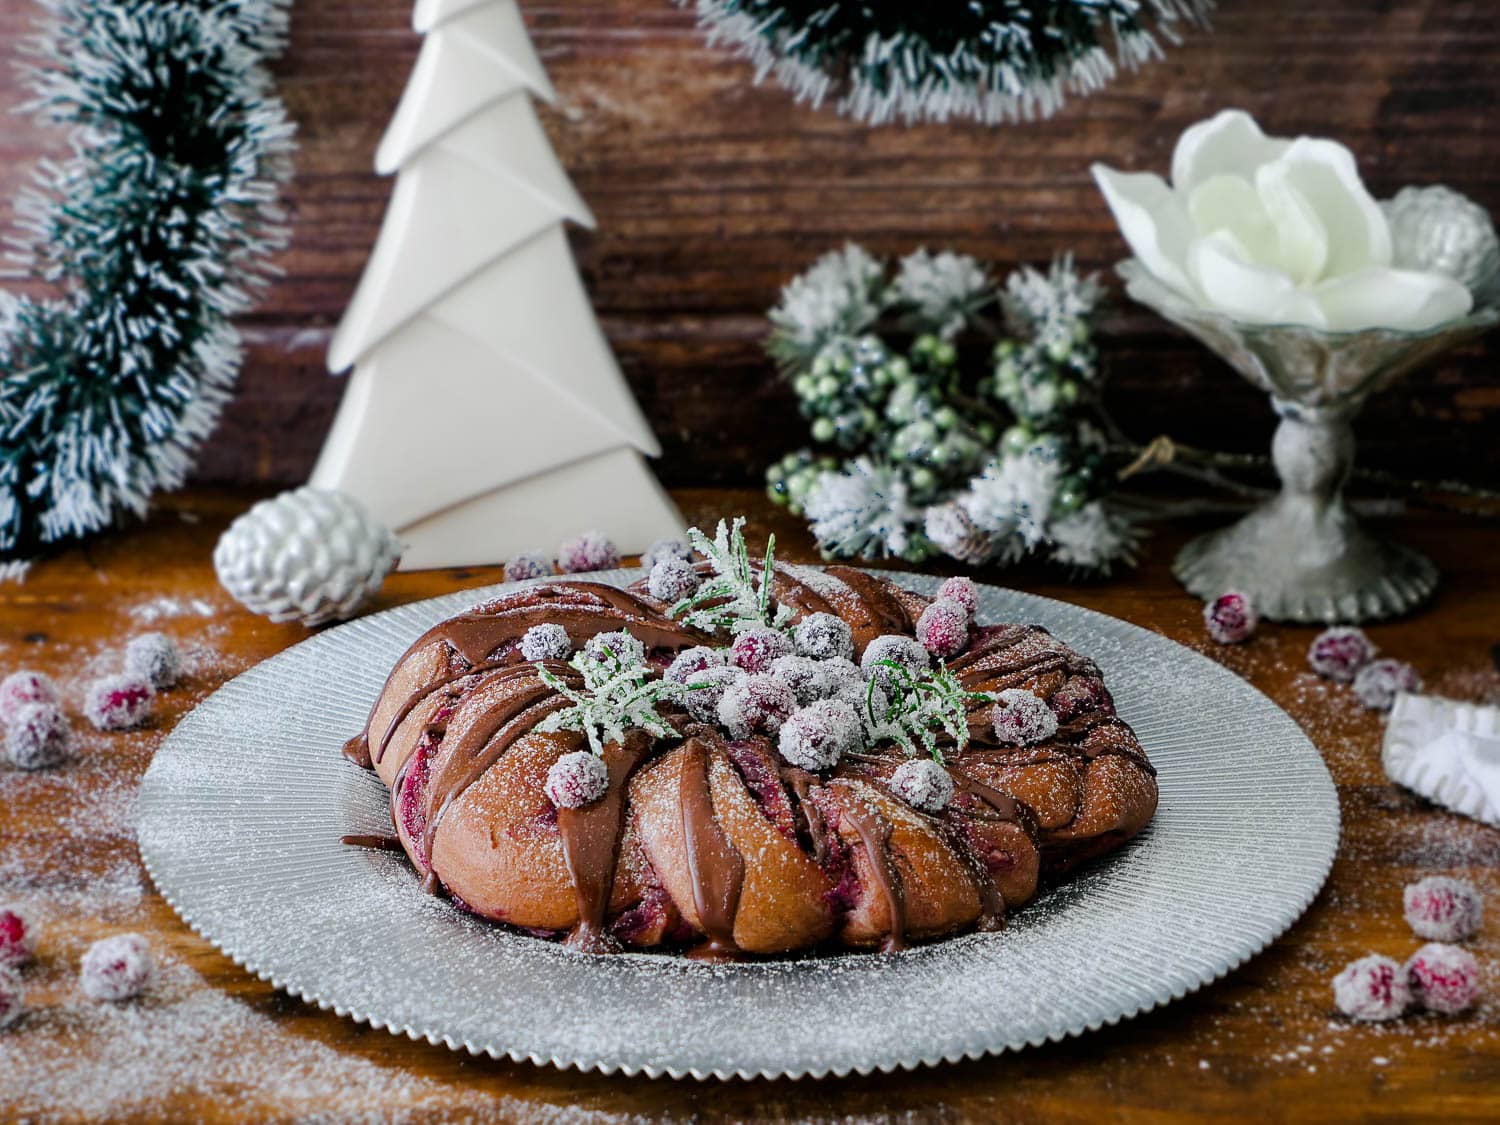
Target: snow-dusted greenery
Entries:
(989, 60)
(987, 465)
(920, 710)
(154, 231)
(735, 597)
(619, 693)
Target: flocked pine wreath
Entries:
(155, 230)
(989, 60)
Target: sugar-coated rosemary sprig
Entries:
(733, 599)
(618, 694)
(919, 710)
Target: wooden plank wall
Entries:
(711, 192)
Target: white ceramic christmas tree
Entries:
(486, 414)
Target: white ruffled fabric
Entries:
(1447, 751)
(1270, 230)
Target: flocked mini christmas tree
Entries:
(485, 414)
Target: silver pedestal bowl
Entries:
(1303, 556)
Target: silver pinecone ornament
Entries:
(1437, 228)
(309, 555)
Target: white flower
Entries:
(1269, 230)
(865, 511)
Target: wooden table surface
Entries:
(211, 1043)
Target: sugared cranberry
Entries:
(1340, 652)
(116, 968)
(577, 779)
(905, 652)
(671, 580)
(12, 998)
(822, 636)
(756, 648)
(590, 551)
(923, 784)
(1230, 618)
(669, 548)
(1080, 695)
(1380, 681)
(17, 942)
(1442, 909)
(803, 675)
(548, 641)
(817, 736)
(154, 658)
(758, 704)
(1372, 989)
(705, 691)
(528, 565)
(37, 737)
(118, 702)
(943, 629)
(20, 688)
(962, 591)
(1443, 978)
(691, 662)
(1021, 718)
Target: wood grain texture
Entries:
(711, 192)
(1263, 1044)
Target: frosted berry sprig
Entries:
(920, 710)
(618, 694)
(735, 597)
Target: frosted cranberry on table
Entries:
(943, 629)
(17, 942)
(576, 780)
(1230, 618)
(154, 658)
(755, 649)
(12, 998)
(706, 690)
(818, 735)
(528, 565)
(548, 641)
(757, 704)
(671, 580)
(905, 652)
(118, 702)
(1443, 978)
(590, 551)
(37, 737)
(1372, 989)
(1021, 718)
(23, 687)
(962, 591)
(822, 636)
(923, 784)
(117, 968)
(1440, 908)
(1380, 681)
(1340, 652)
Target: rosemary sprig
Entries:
(921, 709)
(617, 695)
(733, 599)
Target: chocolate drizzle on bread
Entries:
(723, 849)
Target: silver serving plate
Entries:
(241, 812)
